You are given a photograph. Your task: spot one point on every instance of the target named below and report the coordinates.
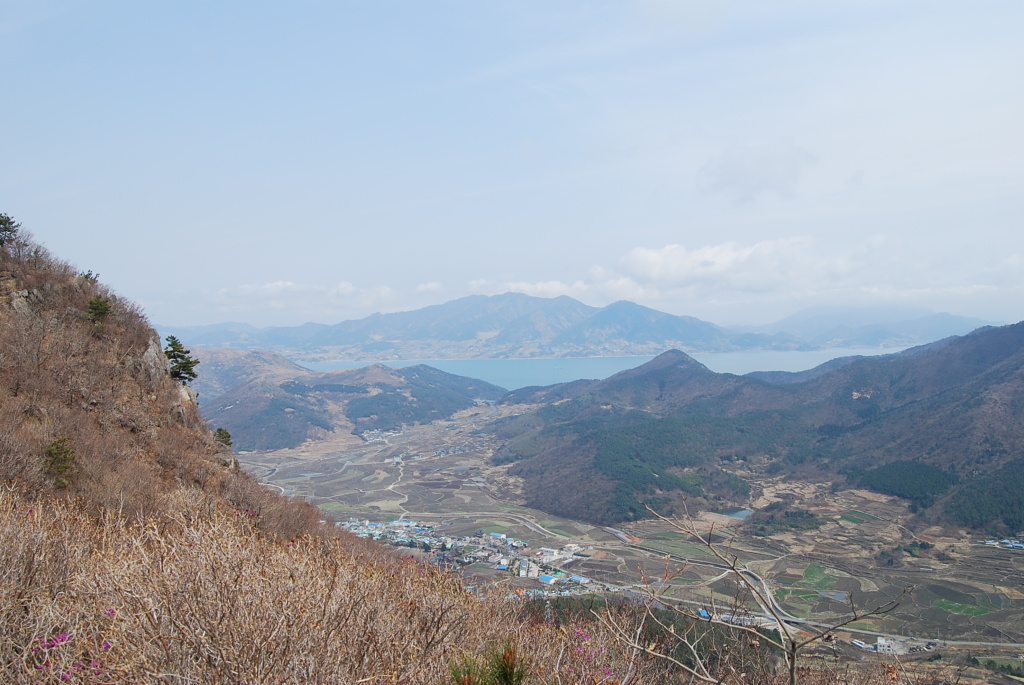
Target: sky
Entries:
(281, 162)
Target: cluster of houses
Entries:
(377, 435)
(496, 551)
(1006, 544)
(406, 533)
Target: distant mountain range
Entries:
(939, 425)
(870, 326)
(514, 325)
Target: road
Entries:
(776, 612)
(529, 523)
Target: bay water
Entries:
(513, 374)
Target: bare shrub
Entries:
(746, 639)
(205, 597)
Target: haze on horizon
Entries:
(278, 163)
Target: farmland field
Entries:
(960, 589)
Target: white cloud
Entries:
(548, 288)
(536, 288)
(343, 289)
(302, 302)
(724, 271)
(603, 286)
(431, 287)
(745, 173)
(785, 263)
(482, 286)
(267, 289)
(771, 277)
(730, 280)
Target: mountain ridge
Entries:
(267, 402)
(515, 325)
(666, 427)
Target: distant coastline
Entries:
(513, 374)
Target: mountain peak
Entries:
(670, 362)
(516, 325)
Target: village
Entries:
(541, 573)
(537, 573)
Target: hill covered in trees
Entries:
(267, 402)
(932, 424)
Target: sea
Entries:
(513, 374)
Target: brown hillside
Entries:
(88, 407)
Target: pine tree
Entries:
(98, 309)
(183, 365)
(222, 436)
(59, 457)
(8, 229)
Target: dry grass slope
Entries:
(204, 597)
(99, 386)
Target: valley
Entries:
(965, 595)
(866, 481)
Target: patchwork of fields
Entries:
(863, 554)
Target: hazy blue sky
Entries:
(282, 162)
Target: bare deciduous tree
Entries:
(769, 627)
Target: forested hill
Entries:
(948, 415)
(266, 402)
